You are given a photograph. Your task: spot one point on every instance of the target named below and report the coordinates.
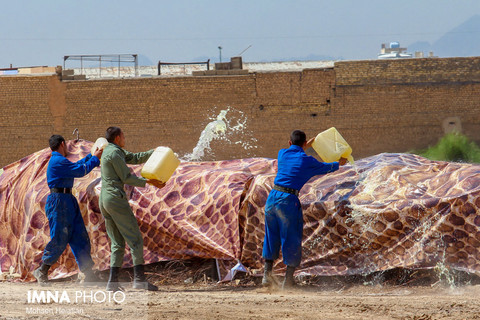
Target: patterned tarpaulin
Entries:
(387, 211)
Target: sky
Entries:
(36, 32)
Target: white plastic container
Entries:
(331, 146)
(161, 164)
(101, 143)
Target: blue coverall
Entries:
(64, 217)
(283, 211)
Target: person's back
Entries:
(112, 158)
(61, 172)
(295, 167)
(107, 169)
(115, 173)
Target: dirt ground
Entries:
(188, 293)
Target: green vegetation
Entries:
(453, 147)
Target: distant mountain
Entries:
(422, 46)
(461, 41)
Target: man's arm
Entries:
(123, 172)
(98, 154)
(318, 167)
(137, 158)
(324, 167)
(84, 160)
(77, 169)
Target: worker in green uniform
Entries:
(120, 222)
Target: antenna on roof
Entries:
(244, 51)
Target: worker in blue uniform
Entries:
(283, 211)
(64, 217)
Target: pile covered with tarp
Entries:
(387, 211)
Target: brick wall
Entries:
(402, 105)
(25, 116)
(377, 105)
(412, 71)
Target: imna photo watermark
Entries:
(58, 302)
(57, 296)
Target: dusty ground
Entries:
(190, 294)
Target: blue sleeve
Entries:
(84, 160)
(77, 169)
(318, 167)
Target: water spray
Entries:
(232, 130)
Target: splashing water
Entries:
(232, 130)
(444, 274)
(212, 131)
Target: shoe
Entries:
(268, 279)
(140, 281)
(113, 284)
(41, 274)
(289, 281)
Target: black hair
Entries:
(298, 138)
(112, 133)
(55, 141)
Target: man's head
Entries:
(298, 138)
(115, 135)
(55, 142)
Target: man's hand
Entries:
(342, 161)
(98, 153)
(157, 183)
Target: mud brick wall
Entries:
(405, 105)
(412, 71)
(158, 111)
(25, 116)
(377, 105)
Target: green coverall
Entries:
(121, 224)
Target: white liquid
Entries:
(232, 130)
